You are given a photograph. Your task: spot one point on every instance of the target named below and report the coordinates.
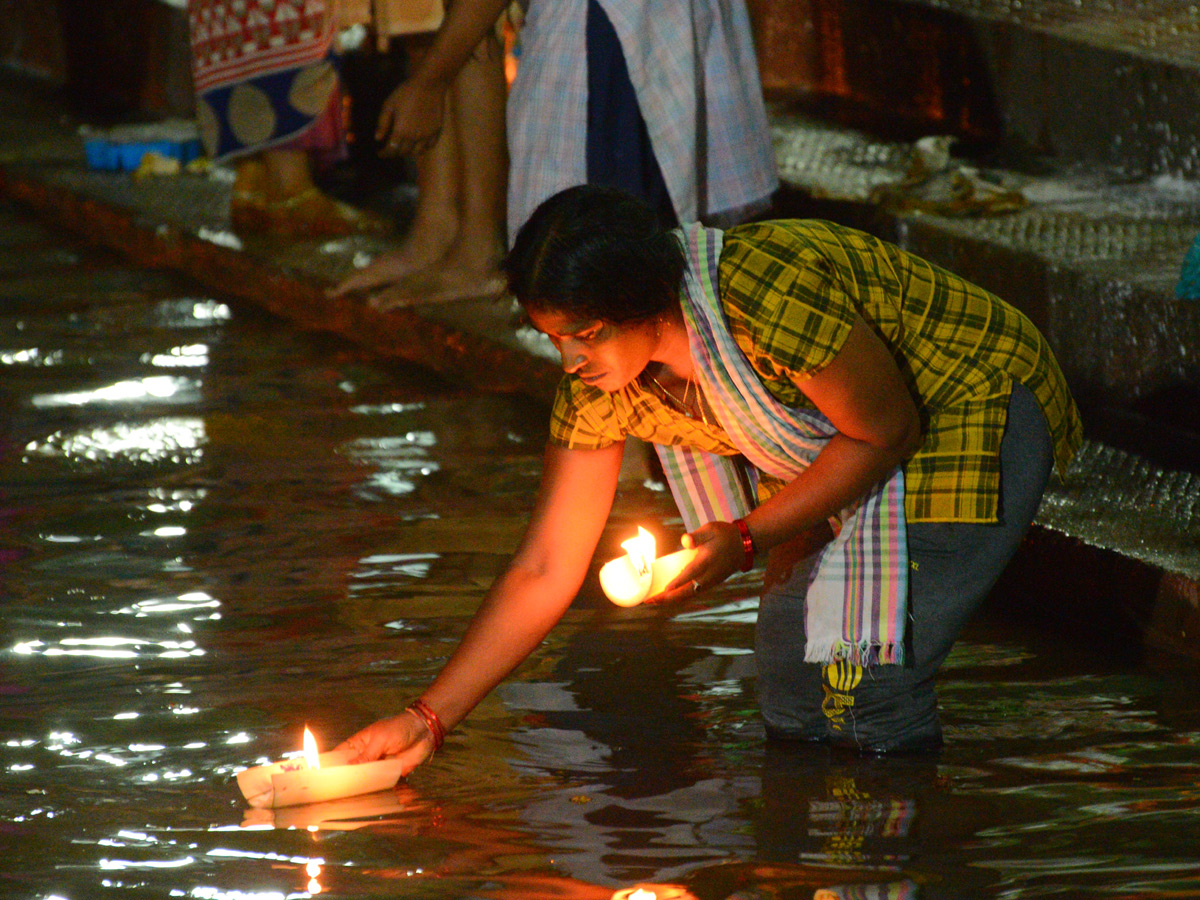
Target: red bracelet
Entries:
(747, 544)
(422, 711)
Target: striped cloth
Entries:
(856, 607)
(693, 67)
(707, 487)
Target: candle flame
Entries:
(311, 756)
(642, 894)
(641, 550)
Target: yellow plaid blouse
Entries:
(790, 290)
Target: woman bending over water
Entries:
(880, 427)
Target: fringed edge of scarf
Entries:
(863, 653)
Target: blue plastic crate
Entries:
(101, 155)
(121, 149)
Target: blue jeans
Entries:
(952, 566)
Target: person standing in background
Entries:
(455, 241)
(269, 101)
(668, 107)
(661, 98)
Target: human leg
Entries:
(952, 567)
(274, 192)
(435, 220)
(265, 180)
(789, 689)
(480, 94)
(274, 189)
(469, 267)
(250, 178)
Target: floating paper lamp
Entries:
(654, 892)
(315, 778)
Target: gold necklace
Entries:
(682, 405)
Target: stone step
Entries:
(1110, 83)
(1163, 30)
(1092, 260)
(1128, 531)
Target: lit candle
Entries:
(315, 777)
(640, 573)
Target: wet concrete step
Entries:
(1093, 259)
(1115, 552)
(1164, 30)
(183, 223)
(1111, 84)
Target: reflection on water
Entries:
(217, 531)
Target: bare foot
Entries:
(423, 246)
(385, 269)
(440, 284)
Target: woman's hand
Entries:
(404, 736)
(412, 115)
(411, 118)
(720, 553)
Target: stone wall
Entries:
(115, 58)
(31, 40)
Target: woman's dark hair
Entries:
(598, 253)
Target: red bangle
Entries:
(421, 710)
(747, 544)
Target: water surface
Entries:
(217, 530)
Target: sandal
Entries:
(308, 214)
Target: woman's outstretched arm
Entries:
(523, 604)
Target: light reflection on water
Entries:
(194, 569)
(153, 387)
(176, 440)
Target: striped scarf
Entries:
(856, 605)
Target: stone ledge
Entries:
(1107, 84)
(1166, 30)
(1093, 261)
(484, 356)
